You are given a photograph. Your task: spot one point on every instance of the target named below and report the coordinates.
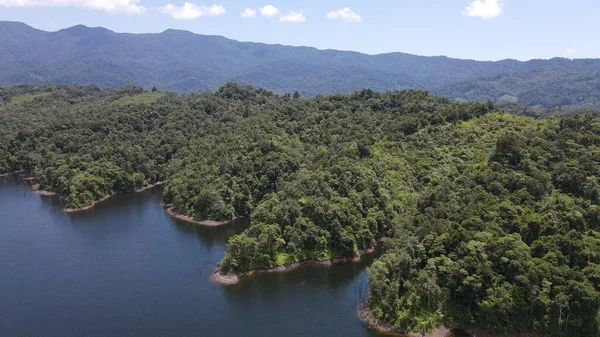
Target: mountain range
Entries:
(183, 61)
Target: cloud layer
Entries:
(190, 11)
(486, 9)
(345, 15)
(269, 11)
(131, 7)
(248, 13)
(293, 17)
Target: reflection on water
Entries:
(125, 268)
(211, 236)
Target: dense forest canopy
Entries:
(186, 62)
(493, 219)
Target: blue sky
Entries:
(474, 29)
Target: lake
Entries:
(125, 268)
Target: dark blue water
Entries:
(126, 268)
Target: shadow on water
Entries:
(210, 236)
(336, 279)
(136, 205)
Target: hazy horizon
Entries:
(299, 46)
(484, 30)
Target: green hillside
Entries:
(492, 219)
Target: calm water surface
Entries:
(126, 268)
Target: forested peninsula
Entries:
(492, 219)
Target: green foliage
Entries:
(83, 142)
(504, 233)
(494, 219)
(552, 83)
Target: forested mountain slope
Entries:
(493, 219)
(185, 62)
(503, 231)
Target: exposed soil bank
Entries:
(36, 190)
(475, 332)
(75, 210)
(44, 193)
(222, 279)
(230, 279)
(11, 173)
(368, 318)
(142, 189)
(208, 223)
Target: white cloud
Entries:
(345, 15)
(248, 13)
(293, 17)
(571, 51)
(190, 11)
(486, 9)
(109, 6)
(269, 11)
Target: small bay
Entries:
(125, 268)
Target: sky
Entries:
(468, 29)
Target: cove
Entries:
(126, 268)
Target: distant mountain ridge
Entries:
(184, 61)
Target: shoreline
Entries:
(10, 173)
(37, 191)
(81, 209)
(142, 189)
(207, 223)
(367, 317)
(45, 193)
(230, 279)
